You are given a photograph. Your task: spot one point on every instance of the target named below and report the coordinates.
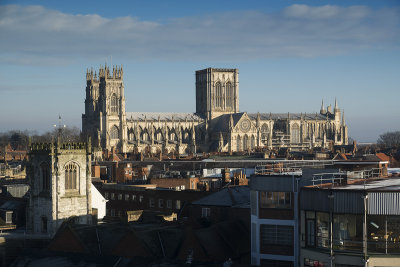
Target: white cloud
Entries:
(36, 35)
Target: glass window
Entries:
(106, 195)
(205, 212)
(71, 176)
(114, 104)
(280, 200)
(383, 234)
(161, 203)
(169, 204)
(177, 204)
(322, 229)
(315, 263)
(218, 95)
(310, 232)
(151, 203)
(119, 196)
(112, 196)
(114, 132)
(348, 231)
(134, 197)
(276, 234)
(126, 196)
(141, 198)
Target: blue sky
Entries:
(290, 56)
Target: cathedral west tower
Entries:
(105, 118)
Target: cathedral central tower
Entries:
(217, 92)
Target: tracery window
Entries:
(114, 104)
(71, 176)
(229, 95)
(245, 142)
(218, 95)
(238, 144)
(295, 133)
(253, 141)
(144, 136)
(45, 176)
(131, 135)
(264, 134)
(114, 132)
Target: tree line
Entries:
(20, 139)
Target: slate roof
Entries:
(164, 116)
(230, 239)
(222, 125)
(293, 116)
(231, 196)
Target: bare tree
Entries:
(390, 139)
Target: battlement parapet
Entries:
(104, 72)
(40, 147)
(47, 147)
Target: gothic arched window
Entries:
(295, 134)
(45, 176)
(131, 135)
(229, 95)
(114, 132)
(245, 142)
(71, 176)
(218, 95)
(238, 144)
(264, 134)
(253, 142)
(144, 136)
(114, 104)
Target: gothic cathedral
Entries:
(217, 125)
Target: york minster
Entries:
(217, 124)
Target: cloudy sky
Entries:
(290, 56)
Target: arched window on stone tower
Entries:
(229, 95)
(114, 104)
(71, 176)
(218, 95)
(264, 133)
(114, 132)
(295, 134)
(45, 176)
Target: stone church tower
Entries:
(217, 92)
(59, 175)
(105, 118)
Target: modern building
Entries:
(334, 213)
(217, 124)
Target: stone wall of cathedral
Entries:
(217, 124)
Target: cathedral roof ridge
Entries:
(162, 115)
(293, 116)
